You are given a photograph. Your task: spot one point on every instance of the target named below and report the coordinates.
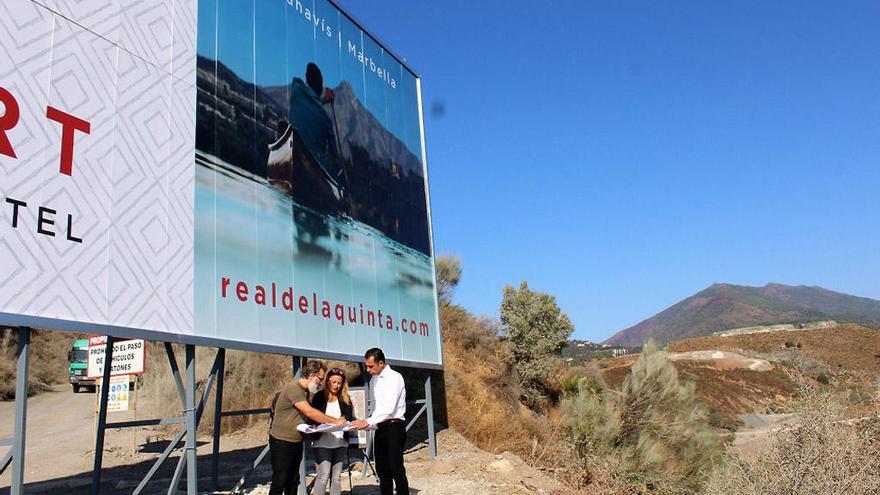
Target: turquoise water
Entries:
(248, 232)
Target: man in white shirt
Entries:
(389, 407)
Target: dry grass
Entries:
(47, 364)
(250, 381)
(727, 392)
(847, 347)
(481, 392)
(819, 454)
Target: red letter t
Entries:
(69, 124)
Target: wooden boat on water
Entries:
(293, 170)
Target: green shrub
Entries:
(536, 331)
(652, 431)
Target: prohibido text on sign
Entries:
(128, 357)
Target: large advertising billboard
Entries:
(244, 173)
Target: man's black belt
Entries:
(390, 421)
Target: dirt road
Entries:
(61, 440)
(60, 430)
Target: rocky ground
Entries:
(458, 469)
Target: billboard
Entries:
(241, 173)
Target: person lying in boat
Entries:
(307, 115)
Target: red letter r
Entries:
(8, 121)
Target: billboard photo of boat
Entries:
(310, 179)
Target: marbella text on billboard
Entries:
(247, 174)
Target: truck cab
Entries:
(78, 363)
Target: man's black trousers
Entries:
(388, 447)
(286, 458)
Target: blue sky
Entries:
(625, 155)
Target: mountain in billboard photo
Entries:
(725, 306)
(384, 184)
(359, 127)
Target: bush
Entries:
(47, 364)
(575, 382)
(652, 431)
(721, 421)
(537, 330)
(482, 394)
(818, 455)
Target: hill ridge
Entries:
(724, 306)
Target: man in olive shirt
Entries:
(285, 441)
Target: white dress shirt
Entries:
(389, 396)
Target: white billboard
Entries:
(217, 173)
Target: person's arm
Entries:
(316, 415)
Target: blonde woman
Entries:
(330, 448)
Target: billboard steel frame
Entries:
(15, 456)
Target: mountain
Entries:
(725, 306)
(359, 127)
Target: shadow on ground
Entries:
(124, 479)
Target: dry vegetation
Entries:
(47, 362)
(726, 392)
(481, 391)
(649, 435)
(846, 348)
(250, 380)
(818, 454)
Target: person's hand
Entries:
(360, 424)
(339, 421)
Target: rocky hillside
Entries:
(725, 306)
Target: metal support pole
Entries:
(218, 415)
(172, 446)
(369, 450)
(102, 416)
(191, 467)
(175, 372)
(429, 406)
(297, 363)
(18, 442)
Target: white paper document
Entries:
(328, 428)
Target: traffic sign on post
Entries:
(128, 356)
